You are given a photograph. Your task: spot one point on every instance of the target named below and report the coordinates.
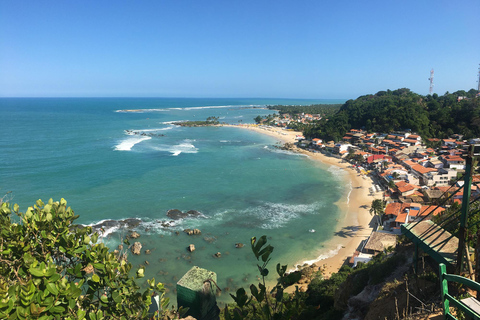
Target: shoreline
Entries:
(354, 225)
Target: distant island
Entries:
(210, 121)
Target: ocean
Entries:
(111, 165)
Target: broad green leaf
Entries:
(95, 277)
(81, 314)
(52, 288)
(57, 309)
(36, 272)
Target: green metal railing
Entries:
(448, 299)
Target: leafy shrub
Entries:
(50, 269)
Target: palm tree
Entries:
(378, 209)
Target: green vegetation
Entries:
(378, 209)
(449, 220)
(210, 121)
(329, 296)
(261, 304)
(324, 299)
(388, 111)
(52, 269)
(325, 110)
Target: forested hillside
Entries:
(387, 111)
(325, 110)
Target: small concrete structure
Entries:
(196, 291)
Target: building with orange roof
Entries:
(454, 162)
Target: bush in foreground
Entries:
(51, 269)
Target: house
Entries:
(397, 214)
(341, 148)
(379, 242)
(454, 162)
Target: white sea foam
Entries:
(275, 215)
(185, 147)
(128, 143)
(328, 254)
(154, 130)
(349, 192)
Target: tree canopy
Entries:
(401, 109)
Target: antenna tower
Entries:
(431, 82)
(478, 86)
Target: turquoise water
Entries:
(243, 186)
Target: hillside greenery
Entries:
(325, 110)
(401, 109)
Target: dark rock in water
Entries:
(147, 263)
(196, 231)
(175, 214)
(177, 233)
(217, 255)
(148, 251)
(188, 231)
(121, 224)
(191, 248)
(193, 213)
(239, 245)
(131, 222)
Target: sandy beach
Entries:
(355, 225)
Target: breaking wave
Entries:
(128, 143)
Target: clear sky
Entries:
(226, 48)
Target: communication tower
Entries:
(431, 82)
(478, 81)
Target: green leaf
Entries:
(52, 288)
(254, 291)
(104, 298)
(36, 272)
(116, 297)
(95, 277)
(81, 314)
(92, 316)
(57, 309)
(279, 294)
(80, 249)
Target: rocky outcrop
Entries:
(134, 235)
(176, 214)
(137, 248)
(191, 248)
(143, 134)
(239, 245)
(191, 232)
(128, 224)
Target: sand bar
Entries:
(355, 225)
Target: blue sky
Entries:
(213, 48)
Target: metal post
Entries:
(467, 186)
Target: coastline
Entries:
(354, 225)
